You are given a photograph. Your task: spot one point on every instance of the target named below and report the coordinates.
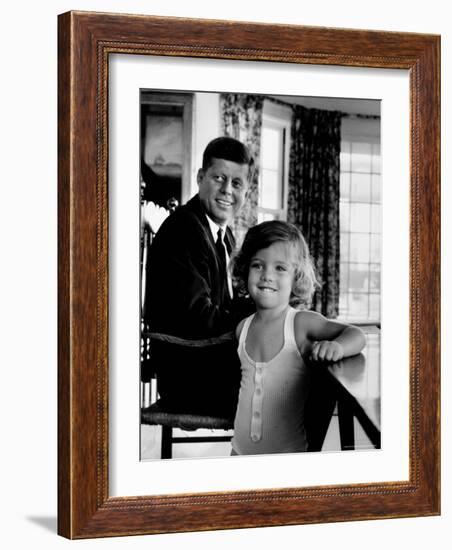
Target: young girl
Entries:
(275, 267)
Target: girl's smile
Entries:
(271, 275)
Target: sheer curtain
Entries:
(314, 196)
(241, 118)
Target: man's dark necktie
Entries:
(221, 250)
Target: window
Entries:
(274, 162)
(360, 223)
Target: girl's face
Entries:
(271, 275)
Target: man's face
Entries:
(222, 189)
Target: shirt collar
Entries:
(214, 227)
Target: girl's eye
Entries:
(255, 266)
(281, 268)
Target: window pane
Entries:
(345, 156)
(374, 306)
(361, 157)
(344, 247)
(344, 216)
(376, 218)
(375, 248)
(271, 148)
(359, 278)
(360, 187)
(265, 216)
(343, 310)
(376, 188)
(358, 305)
(344, 186)
(270, 191)
(359, 247)
(360, 218)
(376, 158)
(375, 277)
(343, 278)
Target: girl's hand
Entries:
(326, 350)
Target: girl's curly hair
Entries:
(264, 235)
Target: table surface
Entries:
(360, 376)
(345, 401)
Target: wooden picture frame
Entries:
(86, 40)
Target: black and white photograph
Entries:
(260, 262)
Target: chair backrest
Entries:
(152, 217)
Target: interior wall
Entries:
(206, 126)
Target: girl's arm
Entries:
(330, 340)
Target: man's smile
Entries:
(223, 203)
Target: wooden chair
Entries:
(153, 412)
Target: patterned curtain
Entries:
(314, 196)
(241, 118)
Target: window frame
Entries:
(277, 116)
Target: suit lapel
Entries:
(194, 205)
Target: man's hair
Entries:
(226, 148)
(262, 236)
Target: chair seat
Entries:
(158, 414)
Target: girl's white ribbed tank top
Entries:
(270, 411)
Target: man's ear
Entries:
(200, 176)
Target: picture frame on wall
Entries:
(104, 62)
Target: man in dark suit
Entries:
(190, 302)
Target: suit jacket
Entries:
(186, 298)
